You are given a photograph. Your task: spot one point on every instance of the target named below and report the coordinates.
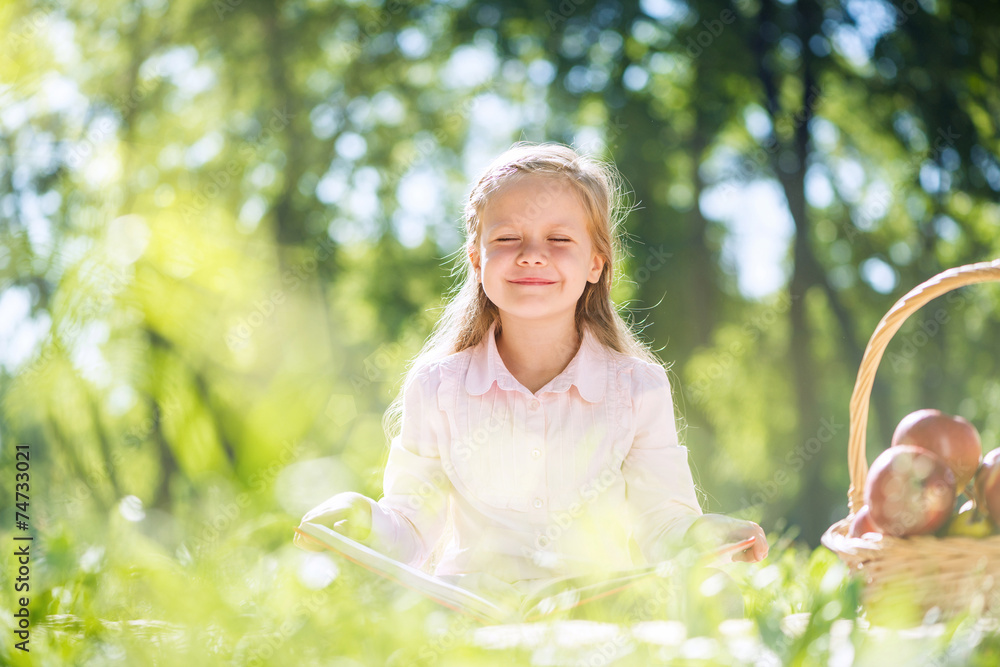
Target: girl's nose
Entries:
(533, 251)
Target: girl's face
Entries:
(535, 256)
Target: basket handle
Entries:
(942, 283)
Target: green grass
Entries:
(110, 591)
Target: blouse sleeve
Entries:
(659, 487)
(409, 518)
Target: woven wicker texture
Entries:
(954, 574)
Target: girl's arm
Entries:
(666, 515)
(659, 487)
(407, 522)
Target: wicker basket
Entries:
(952, 574)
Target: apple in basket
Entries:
(952, 438)
(987, 489)
(909, 491)
(862, 523)
(970, 522)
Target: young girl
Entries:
(535, 425)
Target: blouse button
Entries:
(534, 405)
(536, 453)
(538, 503)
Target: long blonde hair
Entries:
(469, 313)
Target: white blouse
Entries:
(535, 485)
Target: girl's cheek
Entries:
(499, 254)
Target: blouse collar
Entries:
(587, 370)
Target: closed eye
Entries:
(511, 238)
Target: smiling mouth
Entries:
(531, 282)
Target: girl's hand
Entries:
(347, 513)
(711, 531)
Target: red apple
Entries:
(910, 491)
(952, 438)
(987, 492)
(861, 523)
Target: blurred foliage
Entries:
(226, 227)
